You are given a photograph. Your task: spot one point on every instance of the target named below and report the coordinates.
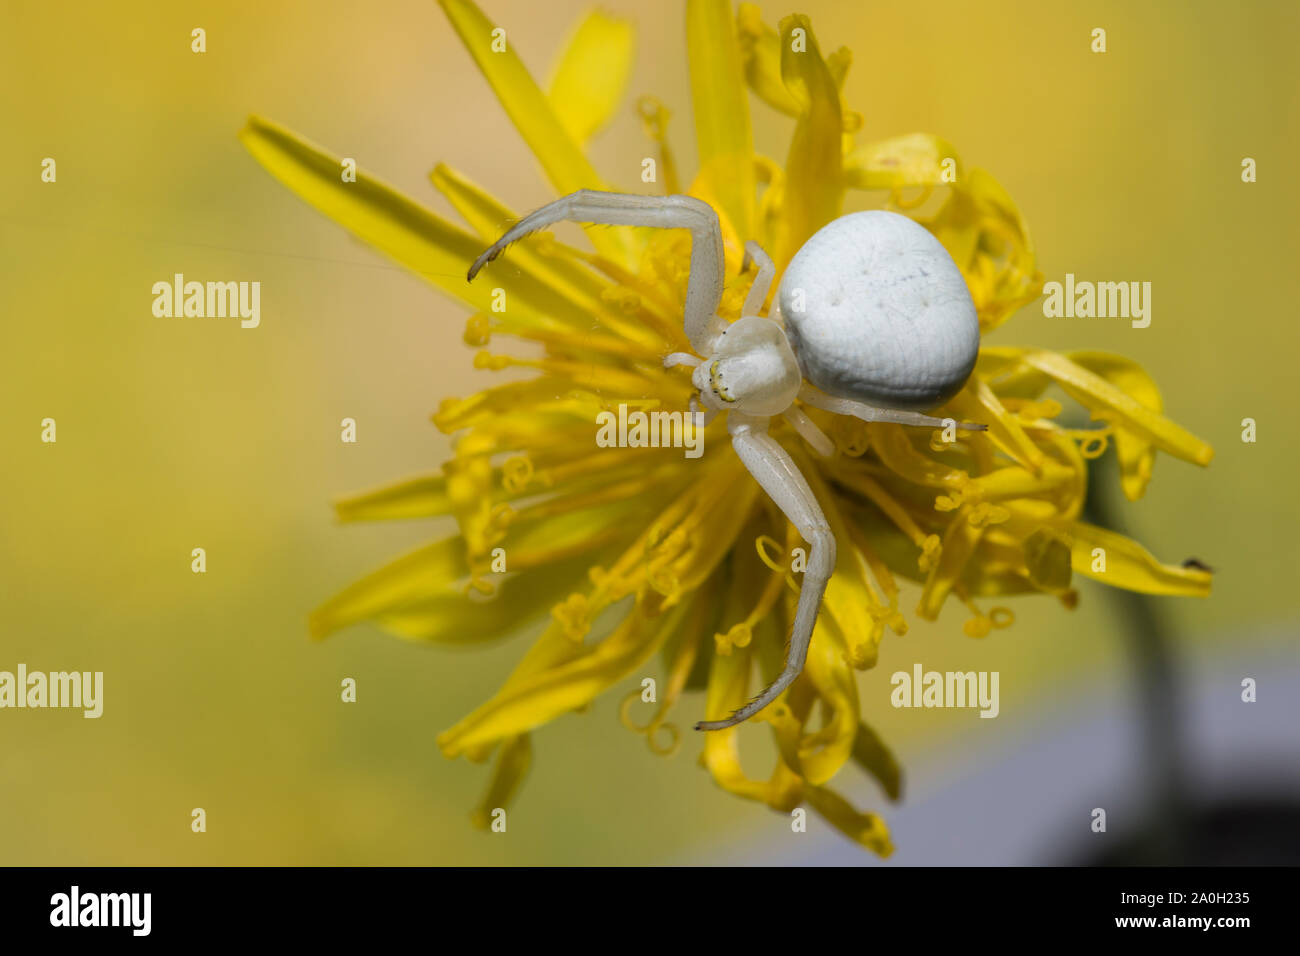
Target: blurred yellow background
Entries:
(182, 433)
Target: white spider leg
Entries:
(774, 470)
(809, 431)
(681, 358)
(757, 294)
(709, 416)
(703, 289)
(870, 413)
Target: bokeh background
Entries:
(176, 434)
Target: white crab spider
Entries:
(871, 309)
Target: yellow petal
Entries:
(1048, 559)
(1013, 481)
(822, 754)
(534, 394)
(891, 443)
(591, 76)
(871, 753)
(1135, 453)
(866, 829)
(1111, 404)
(760, 52)
(897, 513)
(978, 403)
(422, 497)
(957, 225)
(528, 108)
(681, 656)
(1130, 566)
(727, 691)
(984, 232)
(851, 610)
(421, 241)
(814, 181)
(654, 123)
(541, 258)
(428, 571)
(556, 691)
(532, 543)
(914, 159)
(722, 131)
(459, 619)
(958, 547)
(513, 762)
(416, 593)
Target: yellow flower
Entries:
(625, 554)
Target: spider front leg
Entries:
(809, 431)
(757, 294)
(703, 288)
(673, 359)
(777, 474)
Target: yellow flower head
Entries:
(624, 555)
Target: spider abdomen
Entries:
(877, 311)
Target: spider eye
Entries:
(715, 381)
